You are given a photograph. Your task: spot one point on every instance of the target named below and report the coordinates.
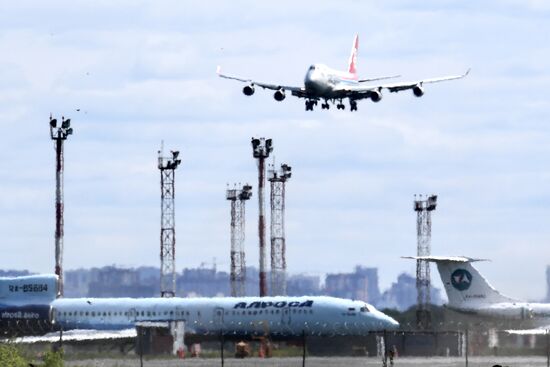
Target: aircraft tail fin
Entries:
(466, 288)
(352, 63)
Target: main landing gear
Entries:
(310, 104)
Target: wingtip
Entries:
(218, 70)
(467, 71)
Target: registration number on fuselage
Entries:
(28, 288)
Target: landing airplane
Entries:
(33, 298)
(322, 83)
(470, 293)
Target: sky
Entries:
(142, 72)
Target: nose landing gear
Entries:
(353, 105)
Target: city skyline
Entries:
(131, 75)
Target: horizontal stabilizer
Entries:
(435, 259)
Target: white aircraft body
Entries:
(34, 297)
(322, 83)
(469, 292)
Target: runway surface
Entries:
(317, 361)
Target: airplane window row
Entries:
(120, 313)
(267, 312)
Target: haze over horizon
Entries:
(130, 75)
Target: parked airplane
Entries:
(469, 292)
(34, 298)
(325, 84)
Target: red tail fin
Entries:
(353, 57)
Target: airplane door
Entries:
(132, 315)
(218, 316)
(285, 316)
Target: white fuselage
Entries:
(322, 81)
(537, 312)
(277, 316)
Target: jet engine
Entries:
(376, 96)
(248, 90)
(279, 95)
(418, 91)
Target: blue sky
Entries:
(142, 72)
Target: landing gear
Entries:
(353, 105)
(310, 104)
(340, 106)
(325, 106)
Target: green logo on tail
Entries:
(461, 279)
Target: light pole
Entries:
(167, 167)
(261, 147)
(59, 134)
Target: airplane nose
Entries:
(386, 322)
(391, 323)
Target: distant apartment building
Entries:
(14, 273)
(111, 281)
(402, 294)
(300, 285)
(362, 285)
(203, 282)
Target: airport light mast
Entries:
(423, 208)
(261, 147)
(59, 134)
(167, 167)
(238, 197)
(278, 179)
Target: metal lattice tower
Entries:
(423, 209)
(59, 134)
(278, 180)
(238, 197)
(261, 147)
(167, 167)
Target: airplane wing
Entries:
(398, 87)
(539, 331)
(367, 91)
(296, 91)
(378, 78)
(79, 335)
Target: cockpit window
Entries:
(365, 309)
(312, 67)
